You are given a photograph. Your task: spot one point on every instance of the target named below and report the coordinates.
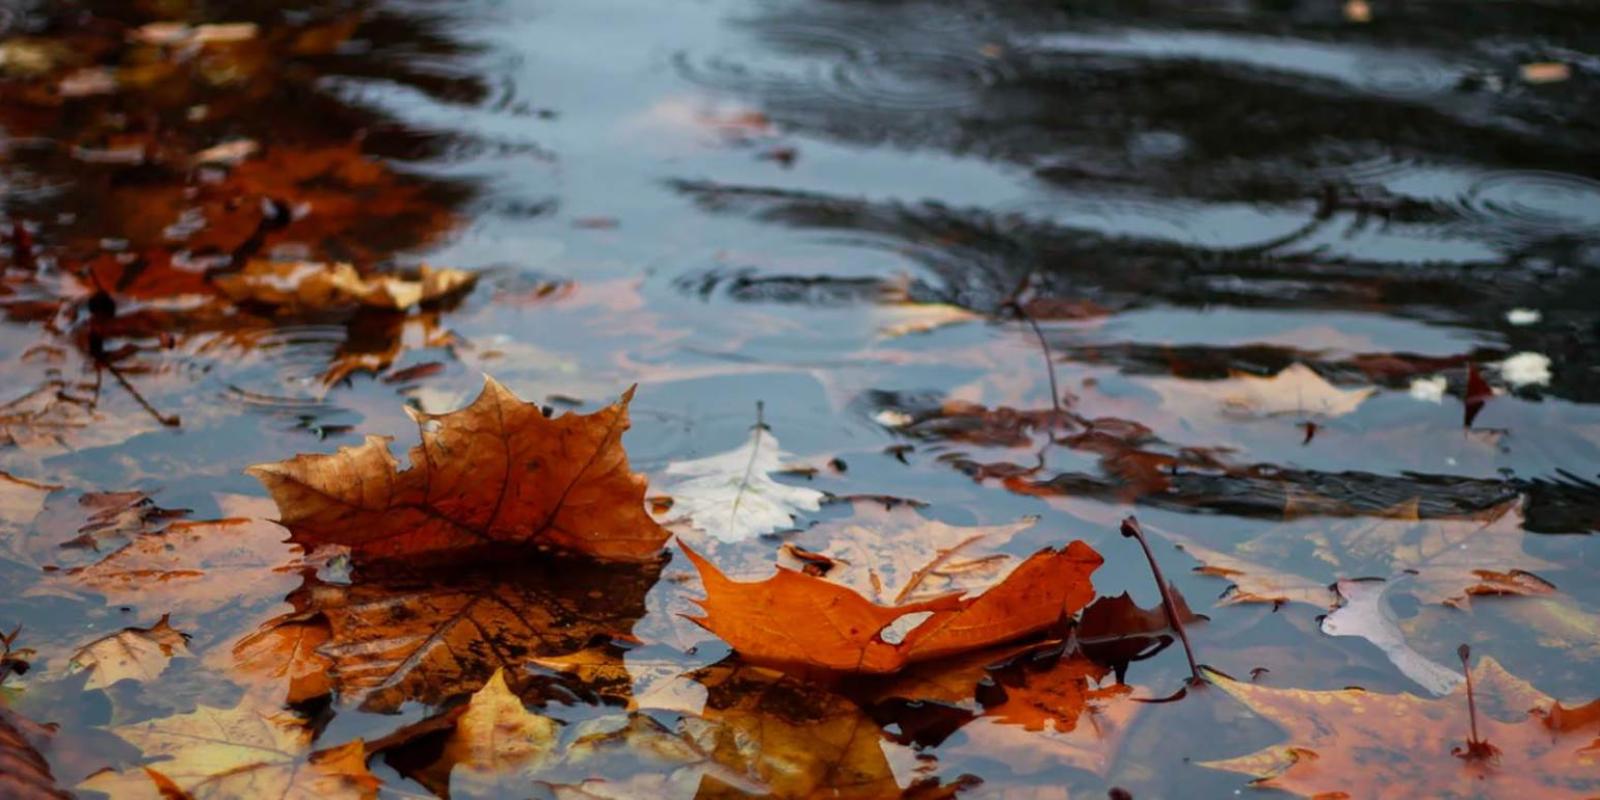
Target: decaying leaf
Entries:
(495, 475)
(250, 750)
(139, 654)
(24, 773)
(732, 496)
(194, 567)
(311, 286)
(1364, 612)
(890, 554)
(845, 632)
(1353, 743)
(1297, 389)
(429, 636)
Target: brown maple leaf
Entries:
(843, 632)
(1063, 711)
(495, 475)
(251, 750)
(1354, 743)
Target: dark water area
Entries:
(1000, 258)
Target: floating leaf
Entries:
(310, 286)
(844, 629)
(1297, 389)
(495, 475)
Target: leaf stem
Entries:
(1131, 529)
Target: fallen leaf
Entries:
(1365, 612)
(24, 772)
(732, 497)
(1297, 390)
(844, 634)
(909, 318)
(1354, 743)
(250, 750)
(139, 654)
(495, 475)
(312, 286)
(890, 554)
(434, 635)
(194, 568)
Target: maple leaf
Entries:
(1296, 389)
(250, 750)
(497, 473)
(1354, 743)
(24, 772)
(430, 637)
(193, 568)
(844, 633)
(890, 554)
(311, 286)
(732, 497)
(140, 654)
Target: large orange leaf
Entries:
(493, 475)
(796, 619)
(1353, 743)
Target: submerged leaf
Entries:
(495, 475)
(1353, 743)
(250, 750)
(732, 497)
(1366, 613)
(24, 773)
(310, 286)
(1297, 389)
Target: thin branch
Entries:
(1131, 529)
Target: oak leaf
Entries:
(1354, 743)
(732, 497)
(843, 630)
(250, 750)
(139, 654)
(495, 475)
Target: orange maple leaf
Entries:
(796, 619)
(493, 475)
(1354, 743)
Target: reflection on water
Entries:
(837, 208)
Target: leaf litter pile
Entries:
(288, 509)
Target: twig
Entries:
(1014, 305)
(171, 421)
(1131, 529)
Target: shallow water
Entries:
(712, 200)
